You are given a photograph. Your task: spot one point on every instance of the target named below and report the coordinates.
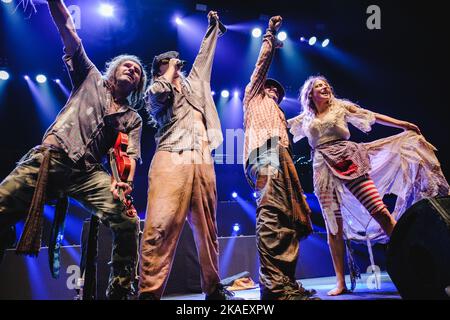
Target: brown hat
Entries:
(280, 88)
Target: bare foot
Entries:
(337, 291)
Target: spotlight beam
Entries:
(225, 93)
(312, 41)
(106, 10)
(256, 32)
(4, 75)
(282, 36)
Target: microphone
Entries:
(222, 28)
(181, 63)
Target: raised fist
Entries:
(275, 23)
(213, 16)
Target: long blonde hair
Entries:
(305, 97)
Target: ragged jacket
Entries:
(176, 129)
(85, 128)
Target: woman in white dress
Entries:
(350, 179)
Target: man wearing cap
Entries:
(282, 214)
(182, 180)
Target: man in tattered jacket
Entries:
(182, 180)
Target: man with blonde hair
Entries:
(68, 161)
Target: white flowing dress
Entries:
(404, 165)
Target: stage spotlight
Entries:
(236, 227)
(26, 77)
(236, 94)
(282, 36)
(225, 93)
(40, 78)
(256, 32)
(255, 195)
(178, 21)
(213, 93)
(7, 1)
(234, 195)
(302, 39)
(325, 42)
(312, 41)
(106, 10)
(4, 75)
(62, 87)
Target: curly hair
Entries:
(136, 96)
(305, 97)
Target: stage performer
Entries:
(282, 214)
(182, 180)
(68, 161)
(350, 179)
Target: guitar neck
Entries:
(115, 174)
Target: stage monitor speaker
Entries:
(418, 255)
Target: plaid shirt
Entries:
(263, 118)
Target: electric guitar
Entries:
(120, 167)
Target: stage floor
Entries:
(365, 290)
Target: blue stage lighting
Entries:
(302, 39)
(178, 21)
(312, 41)
(325, 42)
(236, 227)
(201, 7)
(256, 32)
(7, 1)
(255, 195)
(282, 36)
(236, 94)
(57, 81)
(4, 75)
(234, 195)
(40, 78)
(213, 93)
(26, 77)
(225, 93)
(106, 10)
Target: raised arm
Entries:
(201, 69)
(63, 21)
(386, 120)
(77, 63)
(391, 122)
(265, 57)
